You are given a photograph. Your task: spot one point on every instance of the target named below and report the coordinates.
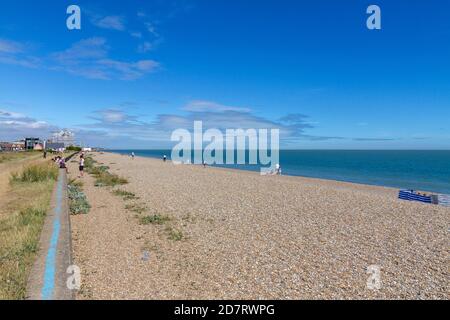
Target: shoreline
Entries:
(234, 234)
(306, 178)
(383, 180)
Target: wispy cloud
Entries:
(90, 58)
(136, 34)
(14, 53)
(8, 46)
(110, 22)
(16, 125)
(116, 122)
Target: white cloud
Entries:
(15, 126)
(136, 34)
(91, 48)
(120, 124)
(110, 22)
(14, 53)
(90, 58)
(8, 46)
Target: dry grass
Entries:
(23, 212)
(15, 156)
(36, 173)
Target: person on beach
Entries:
(164, 158)
(62, 165)
(277, 169)
(45, 154)
(81, 167)
(132, 155)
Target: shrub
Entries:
(155, 219)
(78, 203)
(125, 194)
(104, 177)
(175, 235)
(73, 148)
(136, 208)
(109, 179)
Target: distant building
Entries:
(87, 149)
(31, 142)
(6, 146)
(19, 145)
(55, 146)
(38, 147)
(64, 136)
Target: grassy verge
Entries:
(22, 216)
(15, 156)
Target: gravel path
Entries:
(247, 236)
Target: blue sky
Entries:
(139, 69)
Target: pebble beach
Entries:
(240, 235)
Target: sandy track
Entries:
(253, 237)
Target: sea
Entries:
(412, 170)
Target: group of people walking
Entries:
(61, 163)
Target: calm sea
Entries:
(418, 170)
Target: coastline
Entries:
(395, 169)
(247, 236)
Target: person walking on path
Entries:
(81, 166)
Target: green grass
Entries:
(136, 208)
(36, 173)
(22, 214)
(174, 234)
(107, 179)
(125, 194)
(154, 219)
(103, 177)
(76, 183)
